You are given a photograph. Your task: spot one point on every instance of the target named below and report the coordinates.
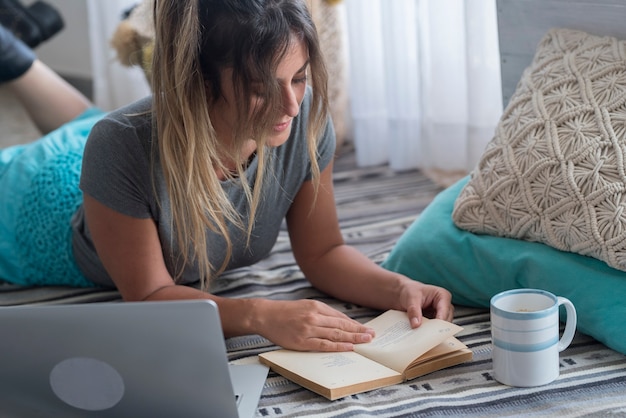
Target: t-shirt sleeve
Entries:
(116, 169)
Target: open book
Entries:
(397, 353)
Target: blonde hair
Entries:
(195, 40)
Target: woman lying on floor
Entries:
(196, 179)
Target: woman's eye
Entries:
(300, 80)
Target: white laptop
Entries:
(129, 359)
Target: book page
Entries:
(440, 362)
(450, 345)
(328, 370)
(397, 345)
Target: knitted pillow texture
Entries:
(555, 171)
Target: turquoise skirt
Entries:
(38, 196)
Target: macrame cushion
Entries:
(555, 171)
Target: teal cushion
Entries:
(476, 267)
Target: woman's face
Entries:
(291, 75)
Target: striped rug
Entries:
(375, 206)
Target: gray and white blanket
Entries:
(375, 206)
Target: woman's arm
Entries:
(344, 273)
(131, 252)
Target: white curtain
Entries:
(113, 84)
(424, 81)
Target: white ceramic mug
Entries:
(525, 336)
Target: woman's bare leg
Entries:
(49, 100)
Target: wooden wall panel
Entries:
(522, 24)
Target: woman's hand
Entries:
(308, 325)
(419, 299)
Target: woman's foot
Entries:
(33, 24)
(15, 56)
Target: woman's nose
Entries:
(291, 107)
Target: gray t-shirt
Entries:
(116, 172)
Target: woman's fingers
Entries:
(315, 326)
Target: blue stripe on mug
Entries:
(525, 348)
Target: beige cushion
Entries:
(555, 171)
